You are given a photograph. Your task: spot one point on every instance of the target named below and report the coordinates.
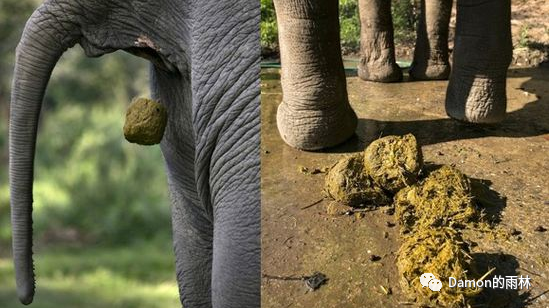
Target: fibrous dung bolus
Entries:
(393, 161)
(440, 251)
(347, 183)
(145, 121)
(432, 208)
(442, 199)
(432, 214)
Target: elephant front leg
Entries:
(482, 53)
(431, 51)
(315, 112)
(377, 47)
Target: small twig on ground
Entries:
(530, 272)
(533, 299)
(406, 303)
(286, 240)
(352, 211)
(385, 290)
(313, 204)
(487, 273)
(286, 278)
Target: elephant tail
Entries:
(45, 38)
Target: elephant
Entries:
(315, 113)
(205, 70)
(377, 48)
(483, 51)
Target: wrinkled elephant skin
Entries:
(205, 68)
(314, 112)
(482, 54)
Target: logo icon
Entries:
(429, 280)
(435, 285)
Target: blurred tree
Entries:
(349, 23)
(112, 78)
(268, 28)
(405, 14)
(92, 185)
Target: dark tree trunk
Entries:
(314, 112)
(377, 47)
(431, 51)
(482, 53)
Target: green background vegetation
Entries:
(101, 211)
(404, 14)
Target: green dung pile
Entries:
(370, 178)
(393, 161)
(442, 199)
(432, 213)
(432, 210)
(440, 251)
(347, 183)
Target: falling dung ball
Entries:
(145, 121)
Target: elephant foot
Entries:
(387, 71)
(315, 129)
(429, 70)
(477, 99)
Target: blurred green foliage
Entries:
(349, 24)
(269, 30)
(405, 14)
(13, 14)
(101, 213)
(90, 184)
(89, 180)
(404, 22)
(93, 191)
(138, 276)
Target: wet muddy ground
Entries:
(299, 238)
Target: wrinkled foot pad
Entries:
(145, 121)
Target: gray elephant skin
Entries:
(315, 112)
(377, 61)
(205, 70)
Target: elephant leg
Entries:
(431, 51)
(377, 47)
(314, 112)
(482, 53)
(192, 225)
(192, 238)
